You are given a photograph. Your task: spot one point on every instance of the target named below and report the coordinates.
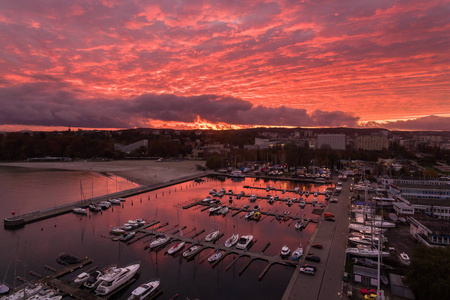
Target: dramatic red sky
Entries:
(175, 63)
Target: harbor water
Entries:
(38, 244)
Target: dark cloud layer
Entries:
(42, 105)
(431, 123)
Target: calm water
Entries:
(38, 244)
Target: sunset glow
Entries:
(224, 64)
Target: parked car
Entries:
(370, 297)
(309, 266)
(312, 257)
(307, 271)
(317, 246)
(330, 219)
(368, 291)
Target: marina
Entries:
(178, 212)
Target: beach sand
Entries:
(142, 172)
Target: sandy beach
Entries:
(142, 172)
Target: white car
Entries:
(307, 271)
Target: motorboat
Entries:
(191, 251)
(28, 291)
(94, 208)
(285, 251)
(297, 253)
(253, 198)
(246, 206)
(299, 225)
(132, 223)
(256, 208)
(232, 240)
(128, 236)
(230, 199)
(363, 252)
(141, 222)
(80, 211)
(117, 231)
(271, 200)
(144, 290)
(244, 242)
(215, 209)
(249, 214)
(212, 236)
(302, 203)
(159, 241)
(126, 227)
(175, 248)
(207, 199)
(404, 259)
(216, 256)
(289, 203)
(223, 211)
(314, 201)
(121, 199)
(114, 201)
(316, 194)
(256, 216)
(94, 279)
(306, 194)
(67, 259)
(104, 204)
(82, 278)
(115, 278)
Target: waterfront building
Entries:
(335, 141)
(429, 231)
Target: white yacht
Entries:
(116, 278)
(362, 252)
(160, 241)
(231, 241)
(212, 236)
(297, 253)
(285, 251)
(144, 290)
(244, 242)
(175, 248)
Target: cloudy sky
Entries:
(224, 63)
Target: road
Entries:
(327, 282)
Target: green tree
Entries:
(428, 275)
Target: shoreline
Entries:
(142, 172)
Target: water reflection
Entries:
(41, 242)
